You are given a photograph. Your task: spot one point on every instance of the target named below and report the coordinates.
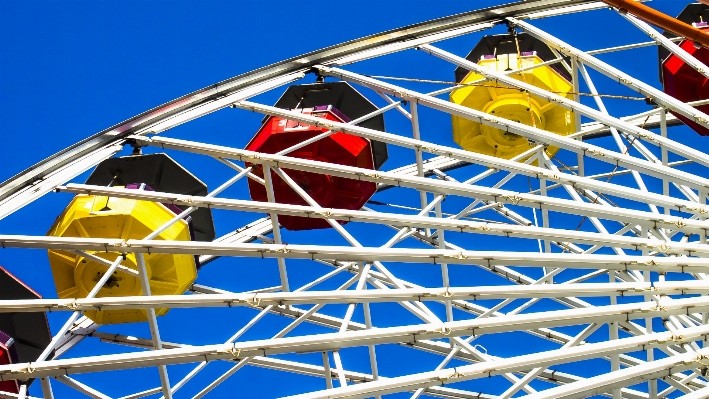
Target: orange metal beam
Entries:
(661, 20)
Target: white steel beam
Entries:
(658, 96)
(80, 387)
(368, 254)
(339, 340)
(667, 43)
(532, 133)
(153, 323)
(451, 224)
(46, 385)
(363, 296)
(554, 376)
(600, 116)
(614, 158)
(486, 369)
(625, 377)
(460, 189)
(12, 395)
(311, 370)
(698, 394)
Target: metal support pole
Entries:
(664, 155)
(46, 388)
(153, 323)
(59, 335)
(276, 227)
(419, 154)
(361, 284)
(577, 116)
(246, 360)
(650, 352)
(444, 266)
(702, 197)
(372, 351)
(657, 95)
(80, 387)
(613, 335)
(340, 368)
(328, 373)
(541, 159)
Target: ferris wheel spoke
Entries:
(625, 192)
(443, 186)
(529, 132)
(358, 338)
(658, 96)
(492, 162)
(255, 301)
(278, 364)
(616, 136)
(497, 366)
(601, 115)
(300, 368)
(522, 230)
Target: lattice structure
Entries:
(594, 257)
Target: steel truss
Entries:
(641, 263)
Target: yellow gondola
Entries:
(508, 102)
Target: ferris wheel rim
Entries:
(294, 65)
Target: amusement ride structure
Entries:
(535, 246)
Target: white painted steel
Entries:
(654, 263)
(523, 231)
(319, 342)
(354, 297)
(615, 74)
(445, 187)
(668, 44)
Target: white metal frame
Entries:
(636, 246)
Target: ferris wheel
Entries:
(534, 227)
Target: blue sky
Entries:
(70, 69)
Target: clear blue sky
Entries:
(70, 69)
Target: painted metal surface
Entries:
(617, 299)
